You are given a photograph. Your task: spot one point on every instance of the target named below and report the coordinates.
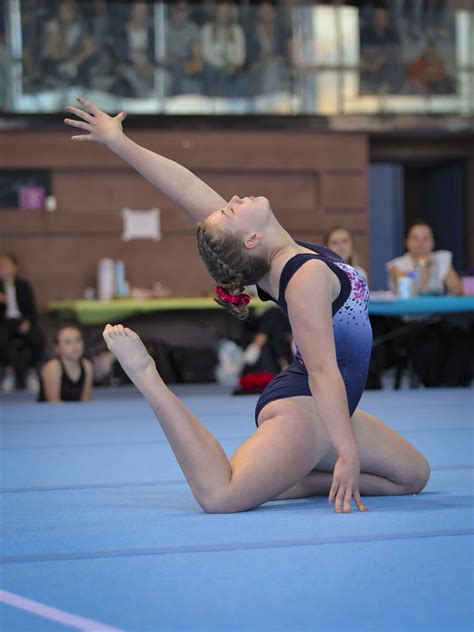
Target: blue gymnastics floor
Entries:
(100, 530)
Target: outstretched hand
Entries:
(345, 484)
(102, 128)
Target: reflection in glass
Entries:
(280, 57)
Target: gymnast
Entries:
(311, 439)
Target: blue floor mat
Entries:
(98, 521)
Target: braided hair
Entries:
(230, 265)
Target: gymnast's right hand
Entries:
(102, 128)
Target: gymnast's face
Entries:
(69, 344)
(249, 215)
(420, 242)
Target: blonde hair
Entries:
(229, 264)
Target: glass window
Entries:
(238, 58)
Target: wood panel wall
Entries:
(313, 180)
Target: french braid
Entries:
(229, 264)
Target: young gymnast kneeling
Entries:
(311, 438)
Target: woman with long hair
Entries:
(341, 241)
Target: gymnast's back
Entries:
(353, 285)
(351, 328)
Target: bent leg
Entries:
(278, 455)
(282, 452)
(390, 465)
(385, 454)
(400, 461)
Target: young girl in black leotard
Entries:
(68, 376)
(311, 440)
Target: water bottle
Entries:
(414, 276)
(105, 279)
(404, 288)
(121, 288)
(230, 363)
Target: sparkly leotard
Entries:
(351, 327)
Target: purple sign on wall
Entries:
(32, 197)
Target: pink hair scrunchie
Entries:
(239, 299)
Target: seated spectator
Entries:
(267, 52)
(33, 17)
(380, 55)
(135, 47)
(67, 47)
(421, 16)
(99, 18)
(21, 340)
(183, 59)
(67, 377)
(341, 241)
(224, 53)
(434, 271)
(441, 350)
(428, 74)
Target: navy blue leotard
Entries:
(351, 327)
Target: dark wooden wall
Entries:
(313, 181)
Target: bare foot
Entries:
(130, 351)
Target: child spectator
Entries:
(67, 377)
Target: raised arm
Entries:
(176, 181)
(309, 296)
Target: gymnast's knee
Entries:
(225, 501)
(419, 476)
(225, 506)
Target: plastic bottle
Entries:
(404, 288)
(231, 361)
(414, 276)
(105, 279)
(121, 288)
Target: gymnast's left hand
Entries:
(102, 128)
(345, 484)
